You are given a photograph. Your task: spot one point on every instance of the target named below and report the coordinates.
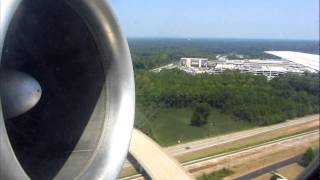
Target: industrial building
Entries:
(266, 67)
(269, 68)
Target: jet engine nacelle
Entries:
(81, 125)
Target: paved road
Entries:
(270, 168)
(156, 162)
(214, 141)
(210, 142)
(301, 138)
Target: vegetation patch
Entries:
(217, 175)
(308, 156)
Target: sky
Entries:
(253, 19)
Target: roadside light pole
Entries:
(211, 124)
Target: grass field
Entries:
(170, 126)
(128, 171)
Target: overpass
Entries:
(155, 161)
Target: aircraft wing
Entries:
(308, 60)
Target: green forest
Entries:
(167, 103)
(249, 98)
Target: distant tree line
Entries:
(151, 53)
(245, 96)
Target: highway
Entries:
(218, 140)
(233, 154)
(243, 154)
(210, 142)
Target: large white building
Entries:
(194, 62)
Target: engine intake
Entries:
(81, 126)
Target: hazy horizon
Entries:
(233, 19)
(219, 38)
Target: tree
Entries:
(308, 156)
(200, 114)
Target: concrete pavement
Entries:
(156, 162)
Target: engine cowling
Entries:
(81, 126)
